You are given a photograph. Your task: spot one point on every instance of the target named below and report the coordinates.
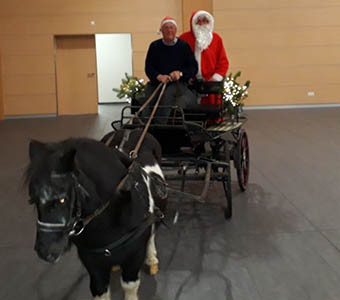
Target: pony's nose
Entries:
(44, 255)
(41, 252)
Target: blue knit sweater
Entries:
(163, 59)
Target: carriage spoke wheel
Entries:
(226, 181)
(242, 161)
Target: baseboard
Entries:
(297, 106)
(114, 102)
(29, 116)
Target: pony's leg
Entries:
(130, 275)
(105, 296)
(151, 253)
(130, 289)
(100, 284)
(115, 268)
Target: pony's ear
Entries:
(36, 148)
(67, 160)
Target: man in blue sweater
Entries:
(170, 60)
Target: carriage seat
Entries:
(196, 112)
(207, 111)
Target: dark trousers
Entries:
(175, 94)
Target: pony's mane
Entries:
(92, 157)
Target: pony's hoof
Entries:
(115, 268)
(153, 269)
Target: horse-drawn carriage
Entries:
(196, 145)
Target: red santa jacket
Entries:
(213, 60)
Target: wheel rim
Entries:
(244, 163)
(226, 182)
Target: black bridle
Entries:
(75, 224)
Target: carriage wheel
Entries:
(226, 181)
(242, 161)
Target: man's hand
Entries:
(163, 78)
(175, 75)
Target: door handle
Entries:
(91, 74)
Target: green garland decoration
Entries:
(131, 87)
(233, 94)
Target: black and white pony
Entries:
(95, 197)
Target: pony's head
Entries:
(52, 189)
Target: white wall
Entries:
(114, 59)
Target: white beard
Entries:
(203, 34)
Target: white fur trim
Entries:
(203, 13)
(198, 53)
(168, 21)
(217, 77)
(130, 289)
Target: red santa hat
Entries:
(200, 14)
(168, 20)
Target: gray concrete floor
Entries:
(283, 241)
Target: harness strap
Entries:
(127, 238)
(96, 213)
(147, 101)
(134, 152)
(124, 140)
(109, 140)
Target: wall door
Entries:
(114, 59)
(76, 75)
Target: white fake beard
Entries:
(203, 34)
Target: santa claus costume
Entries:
(209, 52)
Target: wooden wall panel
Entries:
(297, 76)
(190, 6)
(80, 24)
(141, 41)
(29, 64)
(292, 95)
(139, 61)
(29, 30)
(86, 7)
(18, 44)
(277, 18)
(29, 85)
(27, 104)
(1, 91)
(285, 57)
(286, 48)
(282, 37)
(265, 4)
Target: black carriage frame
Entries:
(205, 152)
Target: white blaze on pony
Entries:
(151, 251)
